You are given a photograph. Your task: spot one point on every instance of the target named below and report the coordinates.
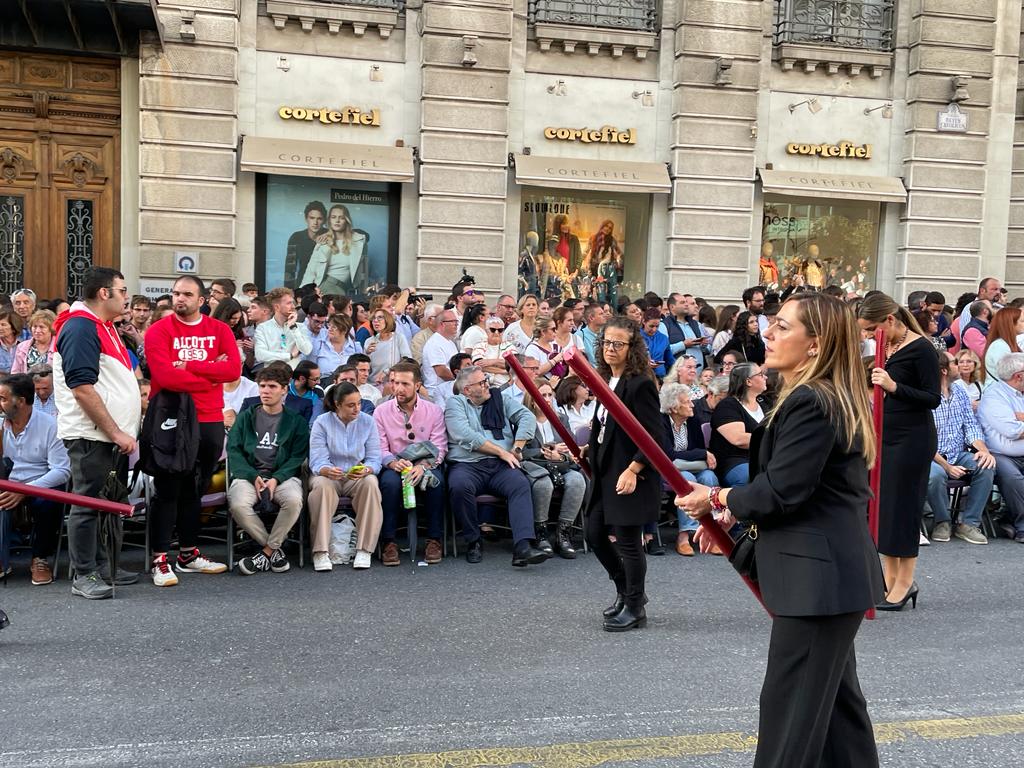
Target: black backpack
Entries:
(169, 442)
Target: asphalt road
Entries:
(486, 664)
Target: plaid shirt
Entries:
(955, 423)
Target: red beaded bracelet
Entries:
(714, 501)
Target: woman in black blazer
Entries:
(626, 492)
(815, 561)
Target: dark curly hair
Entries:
(637, 358)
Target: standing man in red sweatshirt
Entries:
(189, 352)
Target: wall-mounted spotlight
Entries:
(376, 75)
(468, 55)
(886, 110)
(283, 64)
(723, 75)
(646, 97)
(557, 88)
(812, 104)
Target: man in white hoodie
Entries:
(1001, 414)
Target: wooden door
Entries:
(59, 172)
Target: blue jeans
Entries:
(704, 477)
(391, 504)
(738, 475)
(977, 494)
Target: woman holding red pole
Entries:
(626, 491)
(815, 561)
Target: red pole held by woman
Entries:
(545, 406)
(62, 497)
(875, 474)
(650, 449)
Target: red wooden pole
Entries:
(62, 497)
(650, 449)
(875, 474)
(544, 405)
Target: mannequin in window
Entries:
(529, 265)
(812, 267)
(767, 268)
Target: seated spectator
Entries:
(472, 331)
(730, 359)
(315, 326)
(428, 328)
(437, 352)
(10, 337)
(546, 449)
(235, 394)
(403, 421)
(39, 458)
(532, 368)
(42, 377)
(683, 442)
(251, 290)
(299, 405)
(1001, 415)
(718, 390)
(1003, 331)
(345, 459)
(490, 354)
(266, 450)
(306, 385)
(969, 375)
(35, 350)
(594, 318)
(657, 343)
(363, 367)
(340, 344)
(348, 373)
(385, 347)
(23, 302)
(958, 430)
(486, 434)
(280, 338)
(546, 352)
(145, 388)
(732, 422)
(706, 375)
(446, 389)
(974, 335)
(684, 371)
(746, 341)
(575, 402)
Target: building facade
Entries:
(598, 148)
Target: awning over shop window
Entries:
(574, 173)
(886, 189)
(327, 160)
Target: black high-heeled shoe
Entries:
(911, 596)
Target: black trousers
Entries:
(178, 495)
(625, 560)
(813, 714)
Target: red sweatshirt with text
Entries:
(210, 356)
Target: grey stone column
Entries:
(464, 142)
(713, 137)
(956, 215)
(188, 97)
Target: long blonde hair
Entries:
(836, 373)
(346, 233)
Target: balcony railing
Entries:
(867, 24)
(639, 15)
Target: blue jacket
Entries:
(658, 348)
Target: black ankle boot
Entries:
(543, 542)
(616, 607)
(626, 619)
(565, 547)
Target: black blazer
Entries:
(609, 459)
(808, 496)
(695, 448)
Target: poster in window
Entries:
(573, 248)
(333, 233)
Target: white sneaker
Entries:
(923, 541)
(362, 560)
(199, 564)
(322, 562)
(163, 576)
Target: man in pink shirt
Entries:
(405, 420)
(975, 333)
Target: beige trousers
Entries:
(241, 498)
(323, 503)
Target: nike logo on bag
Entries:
(169, 424)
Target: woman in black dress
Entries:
(911, 382)
(626, 492)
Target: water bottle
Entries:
(408, 491)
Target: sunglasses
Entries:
(496, 330)
(410, 432)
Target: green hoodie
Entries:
(292, 448)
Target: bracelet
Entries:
(714, 501)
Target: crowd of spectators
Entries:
(307, 399)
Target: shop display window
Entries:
(819, 243)
(582, 244)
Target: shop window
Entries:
(819, 243)
(340, 235)
(579, 244)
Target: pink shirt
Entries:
(427, 423)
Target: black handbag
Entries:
(743, 555)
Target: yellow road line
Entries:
(591, 754)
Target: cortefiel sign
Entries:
(606, 134)
(843, 149)
(328, 116)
